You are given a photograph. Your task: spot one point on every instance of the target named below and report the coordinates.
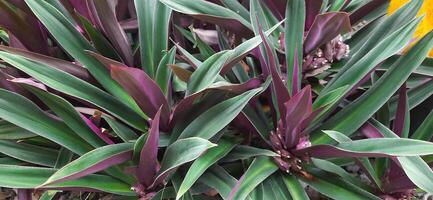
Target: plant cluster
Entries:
(216, 99)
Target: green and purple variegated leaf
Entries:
(144, 90)
(103, 12)
(325, 28)
(91, 162)
(148, 165)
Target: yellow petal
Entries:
(426, 24)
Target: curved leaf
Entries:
(148, 165)
(22, 112)
(29, 153)
(358, 112)
(216, 118)
(181, 152)
(257, 172)
(12, 176)
(143, 89)
(203, 163)
(73, 86)
(91, 162)
(75, 44)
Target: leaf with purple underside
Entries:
(298, 108)
(279, 89)
(312, 9)
(21, 24)
(91, 162)
(144, 90)
(325, 28)
(62, 65)
(258, 171)
(401, 122)
(148, 164)
(103, 13)
(69, 115)
(179, 153)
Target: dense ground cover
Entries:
(216, 99)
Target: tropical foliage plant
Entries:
(216, 99)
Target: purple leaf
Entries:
(148, 166)
(129, 24)
(183, 108)
(81, 167)
(62, 65)
(96, 130)
(81, 6)
(144, 90)
(256, 53)
(29, 81)
(281, 91)
(400, 116)
(278, 7)
(108, 62)
(298, 108)
(104, 14)
(312, 9)
(24, 194)
(210, 37)
(370, 131)
(21, 24)
(325, 28)
(5, 83)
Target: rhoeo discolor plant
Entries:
(216, 99)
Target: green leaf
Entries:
(181, 152)
(73, 86)
(29, 153)
(203, 163)
(91, 162)
(382, 29)
(257, 172)
(63, 158)
(295, 188)
(424, 131)
(293, 38)
(358, 112)
(337, 5)
(384, 49)
(75, 44)
(201, 8)
(242, 152)
(335, 189)
(163, 73)
(145, 16)
(219, 179)
(12, 176)
(216, 118)
(121, 130)
(388, 146)
(207, 73)
(10, 131)
(237, 7)
(418, 171)
(333, 168)
(68, 114)
(22, 112)
(101, 43)
(415, 167)
(161, 25)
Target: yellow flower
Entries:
(427, 23)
